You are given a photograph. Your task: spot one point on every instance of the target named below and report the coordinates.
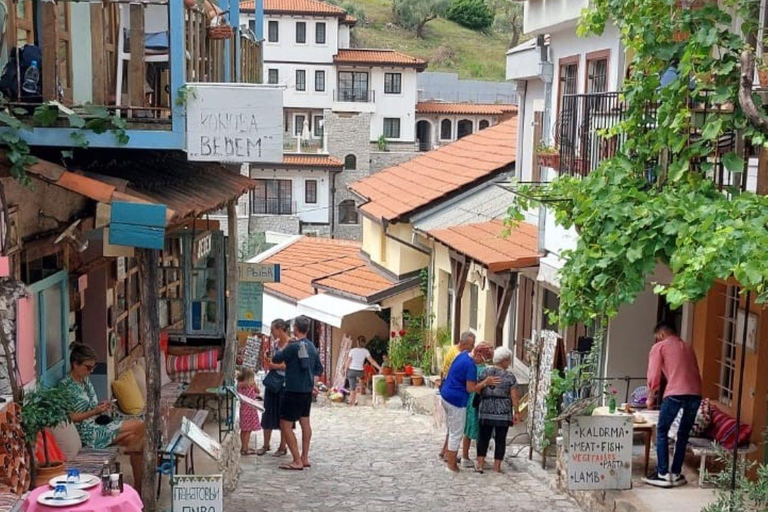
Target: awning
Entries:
(274, 308)
(330, 309)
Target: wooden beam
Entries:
(459, 273)
(98, 54)
(50, 39)
(762, 172)
(230, 347)
(148, 260)
(136, 68)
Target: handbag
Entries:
(274, 382)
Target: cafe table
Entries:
(647, 429)
(128, 501)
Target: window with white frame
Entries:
(729, 344)
(273, 32)
(320, 81)
(320, 33)
(393, 83)
(273, 76)
(310, 191)
(301, 32)
(298, 124)
(301, 80)
(483, 124)
(446, 129)
(318, 126)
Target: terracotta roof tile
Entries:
(294, 7)
(378, 57)
(484, 243)
(308, 259)
(360, 281)
(349, 20)
(312, 161)
(398, 191)
(480, 109)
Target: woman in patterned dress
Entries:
(482, 355)
(128, 433)
(496, 407)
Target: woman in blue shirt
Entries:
(459, 383)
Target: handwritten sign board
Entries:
(200, 438)
(250, 402)
(258, 273)
(250, 303)
(600, 453)
(198, 493)
(252, 354)
(234, 123)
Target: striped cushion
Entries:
(183, 368)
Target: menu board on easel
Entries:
(252, 355)
(546, 350)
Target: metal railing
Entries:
(272, 207)
(354, 96)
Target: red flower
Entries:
(408, 370)
(394, 334)
(402, 332)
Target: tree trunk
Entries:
(230, 348)
(148, 261)
(422, 24)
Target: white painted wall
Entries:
(82, 70)
(401, 105)
(309, 98)
(532, 99)
(307, 212)
(345, 36)
(288, 50)
(542, 15)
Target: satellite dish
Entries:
(73, 235)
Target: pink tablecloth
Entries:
(128, 501)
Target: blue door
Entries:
(51, 305)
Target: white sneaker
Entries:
(466, 463)
(677, 480)
(657, 480)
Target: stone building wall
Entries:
(348, 133)
(287, 224)
(381, 160)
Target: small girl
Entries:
(249, 416)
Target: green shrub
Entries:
(472, 14)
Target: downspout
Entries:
(520, 133)
(546, 73)
(333, 205)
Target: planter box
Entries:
(549, 160)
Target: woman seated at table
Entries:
(128, 433)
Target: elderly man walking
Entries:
(459, 383)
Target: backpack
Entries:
(10, 80)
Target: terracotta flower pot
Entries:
(44, 473)
(549, 160)
(386, 370)
(417, 380)
(390, 385)
(399, 376)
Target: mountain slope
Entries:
(447, 46)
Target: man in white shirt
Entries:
(355, 369)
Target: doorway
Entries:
(424, 135)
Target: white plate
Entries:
(87, 481)
(74, 497)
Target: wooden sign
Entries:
(137, 225)
(252, 354)
(250, 402)
(234, 123)
(198, 493)
(200, 438)
(600, 453)
(258, 273)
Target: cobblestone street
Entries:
(380, 460)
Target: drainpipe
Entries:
(546, 73)
(520, 84)
(332, 203)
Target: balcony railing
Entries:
(133, 58)
(354, 96)
(273, 207)
(580, 133)
(291, 145)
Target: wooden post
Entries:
(136, 68)
(762, 173)
(50, 49)
(99, 54)
(230, 347)
(459, 272)
(148, 262)
(502, 290)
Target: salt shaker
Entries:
(114, 484)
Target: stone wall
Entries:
(10, 292)
(287, 224)
(348, 133)
(381, 160)
(320, 230)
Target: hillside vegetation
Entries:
(446, 45)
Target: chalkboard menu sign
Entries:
(600, 453)
(197, 493)
(252, 355)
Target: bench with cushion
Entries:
(76, 456)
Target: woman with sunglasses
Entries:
(128, 433)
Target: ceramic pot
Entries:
(417, 380)
(390, 385)
(386, 370)
(43, 473)
(399, 376)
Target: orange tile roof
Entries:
(312, 161)
(360, 282)
(480, 109)
(378, 57)
(313, 7)
(308, 259)
(349, 20)
(485, 244)
(398, 191)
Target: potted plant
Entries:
(42, 409)
(549, 156)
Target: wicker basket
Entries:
(220, 32)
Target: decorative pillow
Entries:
(54, 451)
(128, 394)
(140, 376)
(68, 439)
(703, 419)
(183, 368)
(723, 430)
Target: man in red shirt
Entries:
(674, 360)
